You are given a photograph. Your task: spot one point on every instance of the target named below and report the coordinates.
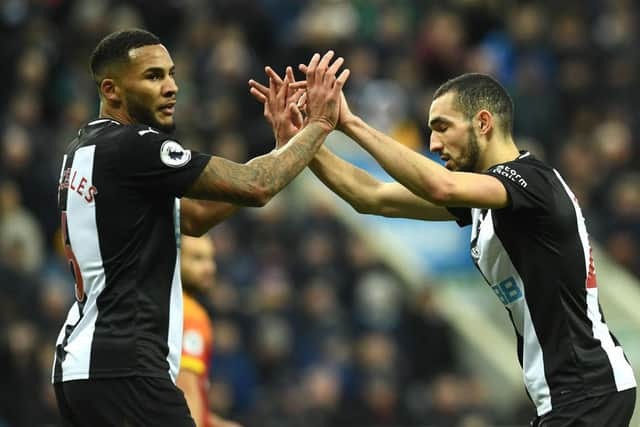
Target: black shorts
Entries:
(120, 402)
(610, 410)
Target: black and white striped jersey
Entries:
(118, 198)
(535, 255)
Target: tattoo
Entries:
(255, 182)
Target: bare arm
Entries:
(362, 191)
(257, 181)
(424, 177)
(368, 195)
(187, 381)
(198, 216)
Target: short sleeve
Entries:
(154, 161)
(194, 350)
(463, 215)
(525, 183)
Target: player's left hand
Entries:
(280, 104)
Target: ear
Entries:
(110, 90)
(485, 122)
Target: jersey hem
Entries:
(587, 395)
(74, 376)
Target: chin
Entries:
(166, 127)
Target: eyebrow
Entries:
(438, 120)
(158, 70)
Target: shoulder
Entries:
(524, 171)
(193, 311)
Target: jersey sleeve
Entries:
(525, 184)
(196, 342)
(463, 215)
(154, 161)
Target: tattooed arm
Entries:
(257, 181)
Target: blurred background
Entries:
(323, 317)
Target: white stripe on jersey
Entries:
(175, 305)
(495, 264)
(83, 235)
(622, 371)
(64, 162)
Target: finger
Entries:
(273, 93)
(303, 98)
(288, 92)
(302, 102)
(323, 65)
(259, 87)
(311, 68)
(289, 73)
(273, 75)
(302, 84)
(296, 115)
(266, 112)
(281, 96)
(258, 95)
(333, 69)
(341, 80)
(303, 68)
(296, 95)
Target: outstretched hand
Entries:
(319, 97)
(324, 88)
(345, 112)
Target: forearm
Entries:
(420, 175)
(276, 169)
(199, 216)
(188, 383)
(350, 183)
(257, 181)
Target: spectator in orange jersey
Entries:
(198, 270)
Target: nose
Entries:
(435, 145)
(170, 87)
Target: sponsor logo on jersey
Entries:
(510, 173)
(146, 131)
(173, 155)
(507, 291)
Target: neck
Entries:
(117, 114)
(498, 150)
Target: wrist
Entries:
(322, 124)
(349, 124)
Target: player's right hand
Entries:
(323, 94)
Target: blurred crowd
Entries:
(311, 327)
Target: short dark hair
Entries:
(115, 48)
(475, 92)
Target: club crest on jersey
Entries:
(173, 155)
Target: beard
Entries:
(469, 159)
(143, 114)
